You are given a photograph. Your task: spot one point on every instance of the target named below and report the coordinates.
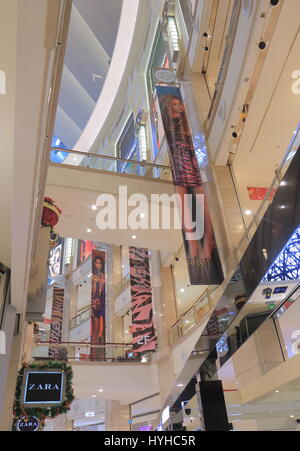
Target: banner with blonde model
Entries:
(98, 305)
(143, 332)
(198, 235)
(56, 324)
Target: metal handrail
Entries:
(180, 324)
(76, 321)
(109, 157)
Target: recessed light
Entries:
(94, 207)
(180, 385)
(277, 391)
(142, 215)
(248, 212)
(94, 396)
(100, 390)
(89, 230)
(134, 237)
(283, 183)
(182, 290)
(292, 416)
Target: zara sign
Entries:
(43, 388)
(30, 424)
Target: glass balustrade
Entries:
(79, 352)
(113, 164)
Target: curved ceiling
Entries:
(92, 36)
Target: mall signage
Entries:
(43, 388)
(28, 424)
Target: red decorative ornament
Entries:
(51, 213)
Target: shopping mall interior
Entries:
(150, 215)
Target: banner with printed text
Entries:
(56, 325)
(143, 331)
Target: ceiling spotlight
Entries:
(248, 212)
(283, 183)
(142, 215)
(134, 237)
(89, 230)
(100, 390)
(292, 416)
(182, 290)
(277, 391)
(94, 396)
(180, 385)
(94, 207)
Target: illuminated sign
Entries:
(28, 424)
(43, 388)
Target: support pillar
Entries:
(117, 416)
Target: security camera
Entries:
(177, 259)
(262, 45)
(274, 2)
(188, 412)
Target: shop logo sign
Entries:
(30, 424)
(296, 84)
(41, 387)
(2, 82)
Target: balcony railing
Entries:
(198, 313)
(81, 318)
(225, 62)
(79, 352)
(114, 164)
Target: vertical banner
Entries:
(143, 332)
(98, 305)
(198, 235)
(56, 321)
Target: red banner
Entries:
(56, 321)
(141, 301)
(98, 304)
(199, 239)
(260, 193)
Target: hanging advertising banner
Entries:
(143, 331)
(85, 249)
(98, 305)
(55, 261)
(202, 254)
(57, 315)
(261, 193)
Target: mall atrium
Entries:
(150, 215)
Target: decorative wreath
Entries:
(43, 413)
